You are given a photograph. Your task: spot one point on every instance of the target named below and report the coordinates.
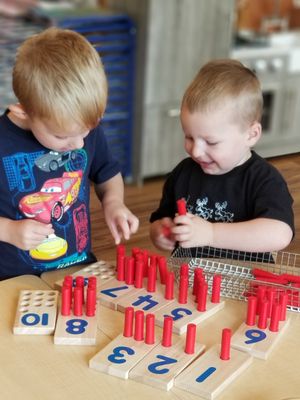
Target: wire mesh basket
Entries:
(244, 274)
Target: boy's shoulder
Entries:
(6, 125)
(7, 128)
(260, 165)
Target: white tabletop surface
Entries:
(33, 368)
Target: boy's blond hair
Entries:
(222, 82)
(58, 76)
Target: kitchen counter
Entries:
(276, 62)
(281, 44)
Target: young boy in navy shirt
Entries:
(51, 147)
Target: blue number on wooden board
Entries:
(177, 313)
(206, 374)
(31, 319)
(109, 292)
(165, 361)
(254, 336)
(118, 357)
(148, 299)
(76, 326)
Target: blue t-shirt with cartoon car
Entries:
(50, 187)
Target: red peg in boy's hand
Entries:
(166, 230)
(181, 209)
(181, 206)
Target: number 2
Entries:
(165, 360)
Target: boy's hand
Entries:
(192, 231)
(161, 234)
(120, 221)
(27, 234)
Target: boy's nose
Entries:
(198, 150)
(77, 143)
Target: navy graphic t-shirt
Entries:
(50, 187)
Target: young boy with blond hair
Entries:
(51, 146)
(235, 199)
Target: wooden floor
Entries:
(142, 200)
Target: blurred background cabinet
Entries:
(291, 115)
(174, 39)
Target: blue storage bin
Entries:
(113, 36)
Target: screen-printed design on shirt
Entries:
(72, 160)
(219, 212)
(19, 171)
(80, 220)
(201, 210)
(54, 198)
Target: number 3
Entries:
(117, 357)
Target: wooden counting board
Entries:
(265, 323)
(112, 291)
(77, 320)
(36, 312)
(73, 330)
(141, 299)
(120, 356)
(257, 342)
(103, 270)
(183, 314)
(160, 367)
(208, 376)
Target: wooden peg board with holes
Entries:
(143, 300)
(77, 319)
(103, 270)
(160, 367)
(120, 356)
(36, 312)
(184, 314)
(73, 330)
(257, 342)
(113, 291)
(209, 375)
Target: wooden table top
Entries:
(33, 368)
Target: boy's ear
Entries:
(254, 133)
(18, 111)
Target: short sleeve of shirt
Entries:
(103, 165)
(271, 195)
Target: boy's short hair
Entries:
(224, 81)
(58, 75)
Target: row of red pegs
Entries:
(135, 323)
(266, 307)
(73, 295)
(133, 269)
(200, 289)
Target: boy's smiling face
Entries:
(215, 141)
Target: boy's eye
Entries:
(212, 143)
